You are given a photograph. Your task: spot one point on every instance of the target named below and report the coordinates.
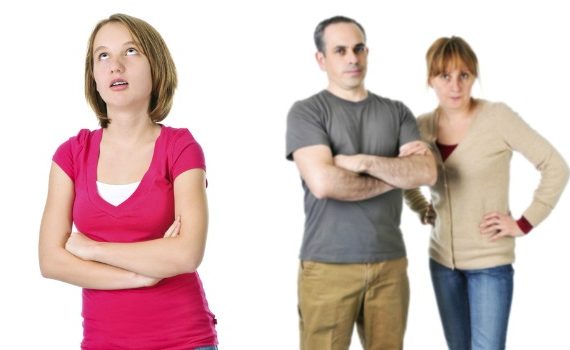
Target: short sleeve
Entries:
(66, 153)
(304, 128)
(408, 125)
(186, 154)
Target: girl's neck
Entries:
(131, 129)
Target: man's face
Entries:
(345, 56)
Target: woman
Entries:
(473, 238)
(135, 191)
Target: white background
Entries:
(241, 65)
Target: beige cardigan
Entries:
(474, 180)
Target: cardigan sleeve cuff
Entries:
(524, 225)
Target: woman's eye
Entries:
(132, 51)
(103, 56)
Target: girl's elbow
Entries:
(188, 264)
(188, 257)
(193, 264)
(47, 268)
(45, 271)
(53, 264)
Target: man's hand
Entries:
(414, 148)
(354, 163)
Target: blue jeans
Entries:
(474, 305)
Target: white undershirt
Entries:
(116, 194)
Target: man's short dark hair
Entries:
(319, 31)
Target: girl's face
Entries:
(121, 70)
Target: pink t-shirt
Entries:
(174, 313)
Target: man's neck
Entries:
(353, 95)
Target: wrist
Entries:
(142, 281)
(95, 251)
(364, 164)
(139, 281)
(524, 225)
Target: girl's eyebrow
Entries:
(103, 47)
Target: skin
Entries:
(119, 58)
(125, 155)
(458, 110)
(345, 61)
(356, 177)
(414, 167)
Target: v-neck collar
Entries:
(474, 124)
(142, 188)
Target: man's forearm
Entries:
(402, 172)
(344, 185)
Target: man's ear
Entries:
(320, 57)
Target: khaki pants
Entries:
(333, 297)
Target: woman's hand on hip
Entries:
(496, 225)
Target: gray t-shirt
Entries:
(341, 231)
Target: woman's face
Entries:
(453, 88)
(121, 70)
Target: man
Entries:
(345, 142)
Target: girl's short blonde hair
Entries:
(163, 70)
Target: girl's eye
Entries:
(131, 51)
(103, 56)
